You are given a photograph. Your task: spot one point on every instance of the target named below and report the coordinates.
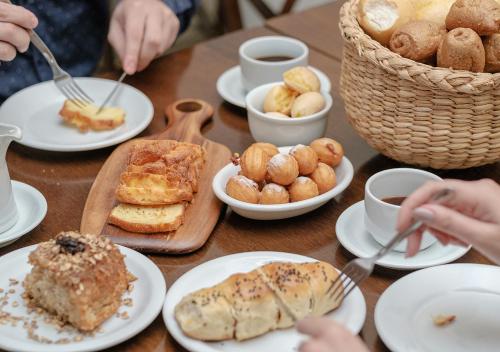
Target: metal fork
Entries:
(62, 79)
(359, 269)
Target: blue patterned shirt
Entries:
(75, 31)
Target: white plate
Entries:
(404, 313)
(230, 85)
(36, 111)
(352, 234)
(148, 296)
(351, 313)
(31, 207)
(344, 172)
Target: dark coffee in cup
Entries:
(274, 58)
(394, 200)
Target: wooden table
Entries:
(65, 179)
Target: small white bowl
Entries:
(284, 131)
(344, 172)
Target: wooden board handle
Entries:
(186, 117)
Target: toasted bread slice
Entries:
(147, 219)
(152, 189)
(87, 118)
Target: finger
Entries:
(171, 28)
(315, 346)
(413, 244)
(116, 38)
(7, 52)
(15, 35)
(315, 326)
(152, 42)
(446, 239)
(134, 33)
(453, 223)
(17, 15)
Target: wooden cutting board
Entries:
(186, 117)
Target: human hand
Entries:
(470, 216)
(328, 336)
(15, 21)
(140, 30)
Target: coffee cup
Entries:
(384, 191)
(265, 59)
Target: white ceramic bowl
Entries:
(284, 131)
(344, 172)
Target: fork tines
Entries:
(347, 280)
(73, 92)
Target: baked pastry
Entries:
(253, 163)
(482, 16)
(79, 278)
(274, 194)
(417, 40)
(433, 10)
(461, 49)
(247, 305)
(324, 177)
(87, 118)
(380, 18)
(148, 219)
(279, 99)
(306, 158)
(269, 148)
(241, 188)
(282, 169)
(492, 53)
(302, 188)
(329, 151)
(308, 104)
(302, 80)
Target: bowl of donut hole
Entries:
(291, 112)
(269, 183)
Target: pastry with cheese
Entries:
(87, 118)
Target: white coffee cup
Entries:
(258, 72)
(380, 217)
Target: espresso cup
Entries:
(256, 72)
(380, 216)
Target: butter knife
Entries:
(110, 95)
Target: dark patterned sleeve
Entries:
(184, 9)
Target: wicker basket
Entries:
(416, 113)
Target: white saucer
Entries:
(352, 234)
(35, 110)
(31, 209)
(405, 311)
(351, 313)
(147, 297)
(230, 85)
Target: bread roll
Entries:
(250, 304)
(433, 10)
(417, 40)
(461, 49)
(492, 53)
(380, 18)
(483, 16)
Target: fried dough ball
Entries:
(303, 188)
(241, 188)
(273, 193)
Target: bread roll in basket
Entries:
(415, 113)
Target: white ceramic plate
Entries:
(351, 313)
(31, 207)
(344, 172)
(230, 85)
(36, 111)
(148, 296)
(352, 234)
(404, 313)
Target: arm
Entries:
(140, 30)
(15, 21)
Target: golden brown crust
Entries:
(78, 277)
(417, 40)
(492, 53)
(142, 227)
(83, 121)
(461, 49)
(482, 16)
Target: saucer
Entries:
(230, 85)
(31, 207)
(352, 234)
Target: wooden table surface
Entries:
(65, 178)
